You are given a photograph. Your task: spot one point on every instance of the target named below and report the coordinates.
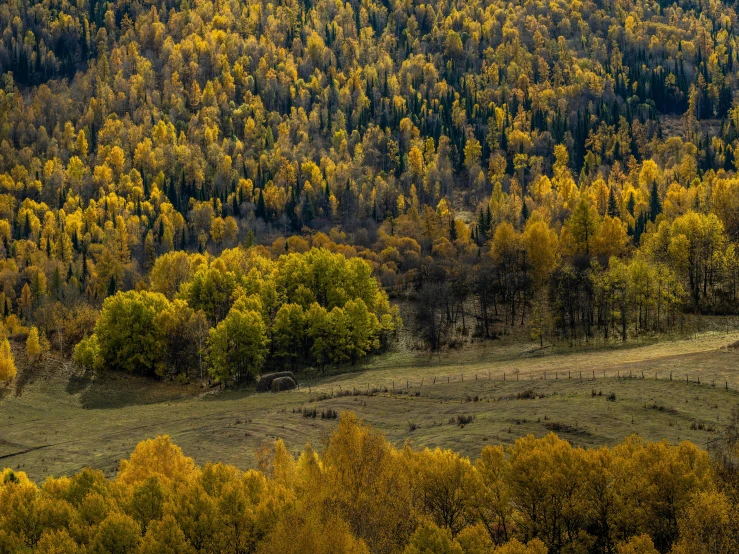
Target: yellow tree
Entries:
(430, 539)
(705, 524)
(542, 249)
(440, 486)
(579, 232)
(368, 486)
(638, 544)
(165, 537)
(33, 346)
(488, 497)
(7, 362)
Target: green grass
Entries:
(58, 422)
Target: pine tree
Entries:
(83, 278)
(612, 209)
(261, 210)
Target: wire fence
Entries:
(402, 385)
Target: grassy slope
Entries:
(61, 422)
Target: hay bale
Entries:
(265, 381)
(283, 383)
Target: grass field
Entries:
(54, 421)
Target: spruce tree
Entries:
(612, 209)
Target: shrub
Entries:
(87, 354)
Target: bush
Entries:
(87, 354)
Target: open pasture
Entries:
(55, 421)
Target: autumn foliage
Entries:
(363, 495)
(564, 167)
(234, 314)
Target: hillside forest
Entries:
(241, 185)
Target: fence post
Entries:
(727, 385)
(670, 375)
(545, 375)
(569, 375)
(421, 382)
(504, 376)
(434, 379)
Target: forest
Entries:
(565, 168)
(199, 192)
(363, 495)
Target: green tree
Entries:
(362, 329)
(211, 290)
(181, 328)
(87, 353)
(319, 333)
(289, 333)
(127, 334)
(237, 346)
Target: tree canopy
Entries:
(361, 495)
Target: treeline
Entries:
(240, 312)
(581, 280)
(363, 495)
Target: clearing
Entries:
(55, 421)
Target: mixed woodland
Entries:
(241, 185)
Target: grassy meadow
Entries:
(56, 421)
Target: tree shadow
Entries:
(78, 383)
(108, 390)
